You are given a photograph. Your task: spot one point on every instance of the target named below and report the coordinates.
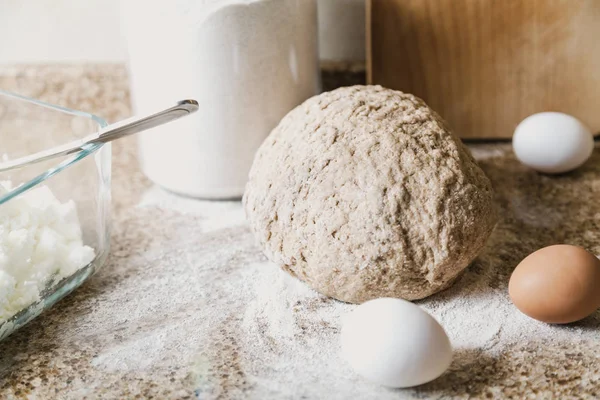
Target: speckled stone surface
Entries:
(121, 336)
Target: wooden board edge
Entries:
(368, 41)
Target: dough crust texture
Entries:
(363, 192)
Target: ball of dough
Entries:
(363, 192)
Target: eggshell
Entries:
(552, 142)
(395, 343)
(557, 284)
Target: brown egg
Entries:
(557, 284)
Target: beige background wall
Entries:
(59, 30)
(88, 31)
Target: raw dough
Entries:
(363, 192)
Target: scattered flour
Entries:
(184, 306)
(215, 214)
(205, 297)
(40, 243)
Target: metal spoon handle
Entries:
(109, 133)
(138, 124)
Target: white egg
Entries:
(552, 142)
(395, 343)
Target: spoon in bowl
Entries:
(107, 134)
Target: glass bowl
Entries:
(27, 126)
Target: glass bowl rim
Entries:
(25, 186)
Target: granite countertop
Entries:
(180, 309)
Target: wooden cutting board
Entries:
(484, 65)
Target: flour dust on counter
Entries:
(214, 214)
(180, 311)
(239, 327)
